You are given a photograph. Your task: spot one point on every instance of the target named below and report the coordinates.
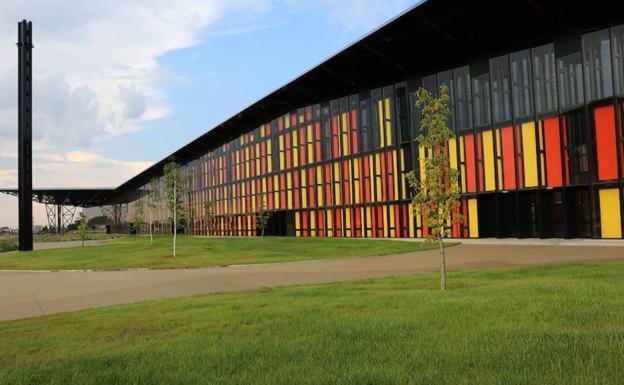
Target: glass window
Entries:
(430, 83)
(326, 133)
(617, 38)
(365, 123)
(402, 118)
(597, 59)
(501, 91)
(578, 146)
(376, 98)
(481, 100)
(463, 99)
(522, 91)
(414, 115)
(544, 78)
(446, 77)
(570, 80)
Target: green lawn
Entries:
(555, 325)
(139, 252)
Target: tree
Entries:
(152, 200)
(138, 216)
(436, 195)
(174, 193)
(262, 217)
(208, 215)
(83, 227)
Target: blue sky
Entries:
(234, 66)
(120, 85)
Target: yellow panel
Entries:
(392, 224)
(421, 162)
(297, 220)
(287, 120)
(453, 153)
(312, 224)
(382, 128)
(396, 174)
(388, 124)
(473, 218)
(488, 161)
(328, 215)
(410, 219)
(348, 221)
(462, 167)
(540, 131)
(368, 221)
(385, 221)
(530, 154)
(345, 138)
(610, 213)
(304, 194)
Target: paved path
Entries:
(29, 294)
(63, 244)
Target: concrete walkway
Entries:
(30, 294)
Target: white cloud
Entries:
(364, 14)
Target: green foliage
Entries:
(138, 215)
(209, 214)
(263, 216)
(437, 194)
(8, 244)
(99, 221)
(83, 227)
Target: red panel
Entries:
(320, 223)
(296, 190)
(346, 187)
(338, 222)
(312, 189)
(317, 128)
(283, 191)
(357, 222)
(366, 178)
(470, 163)
(552, 143)
(389, 176)
(287, 146)
(302, 147)
(335, 142)
(304, 224)
(509, 169)
(606, 143)
(328, 191)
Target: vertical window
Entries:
(597, 60)
(501, 90)
(521, 80)
(326, 133)
(570, 80)
(365, 123)
(544, 78)
(617, 37)
(578, 146)
(430, 83)
(414, 115)
(376, 133)
(481, 100)
(402, 118)
(463, 99)
(446, 78)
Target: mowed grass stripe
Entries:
(560, 324)
(139, 252)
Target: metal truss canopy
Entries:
(85, 197)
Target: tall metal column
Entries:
(24, 136)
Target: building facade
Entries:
(538, 145)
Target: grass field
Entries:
(10, 243)
(139, 252)
(555, 325)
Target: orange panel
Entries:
(606, 143)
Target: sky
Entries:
(119, 85)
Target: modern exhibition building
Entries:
(537, 94)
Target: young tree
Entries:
(437, 194)
(152, 200)
(83, 227)
(138, 216)
(262, 217)
(174, 193)
(208, 215)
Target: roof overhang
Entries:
(79, 197)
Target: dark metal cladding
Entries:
(24, 150)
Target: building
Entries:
(537, 94)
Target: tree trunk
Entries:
(442, 265)
(263, 232)
(175, 219)
(150, 224)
